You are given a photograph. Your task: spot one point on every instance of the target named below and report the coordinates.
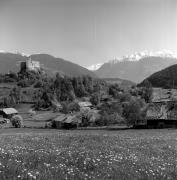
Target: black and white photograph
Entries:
(88, 89)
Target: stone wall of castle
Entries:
(30, 65)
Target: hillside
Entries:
(53, 65)
(122, 82)
(166, 78)
(135, 71)
(11, 62)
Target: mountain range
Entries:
(138, 66)
(135, 67)
(51, 64)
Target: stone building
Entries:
(30, 65)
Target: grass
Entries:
(58, 154)
(38, 120)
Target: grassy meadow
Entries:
(57, 154)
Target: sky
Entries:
(88, 32)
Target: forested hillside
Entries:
(166, 78)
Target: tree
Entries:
(14, 96)
(88, 83)
(38, 84)
(97, 87)
(57, 86)
(132, 111)
(134, 91)
(66, 90)
(147, 91)
(114, 90)
(70, 107)
(17, 121)
(43, 98)
(125, 97)
(79, 88)
(95, 99)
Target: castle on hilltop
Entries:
(30, 65)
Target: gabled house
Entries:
(8, 112)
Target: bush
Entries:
(95, 99)
(49, 124)
(111, 107)
(114, 90)
(134, 111)
(17, 121)
(24, 83)
(38, 84)
(125, 97)
(9, 80)
(70, 107)
(147, 91)
(110, 119)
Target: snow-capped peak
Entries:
(22, 54)
(166, 53)
(136, 57)
(3, 51)
(139, 55)
(94, 67)
(133, 57)
(15, 52)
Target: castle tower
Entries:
(30, 65)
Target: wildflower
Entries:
(47, 165)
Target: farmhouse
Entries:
(59, 121)
(157, 110)
(66, 121)
(162, 114)
(163, 106)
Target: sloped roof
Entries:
(63, 118)
(72, 119)
(9, 111)
(85, 104)
(60, 118)
(157, 111)
(164, 95)
(69, 119)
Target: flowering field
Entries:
(53, 154)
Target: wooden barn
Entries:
(162, 114)
(66, 121)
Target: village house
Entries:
(66, 121)
(85, 105)
(162, 114)
(8, 112)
